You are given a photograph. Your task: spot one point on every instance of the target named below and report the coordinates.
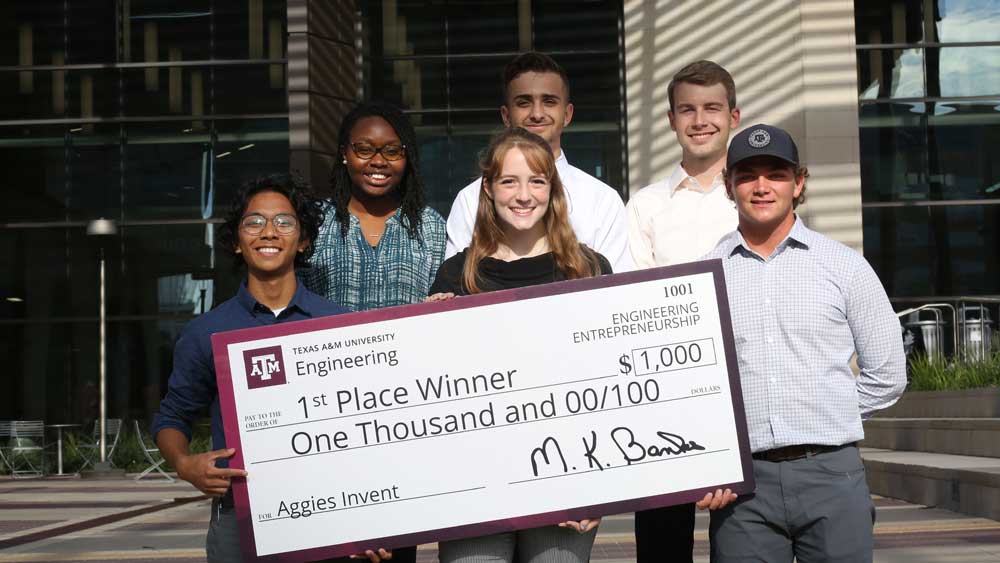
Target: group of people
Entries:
(802, 305)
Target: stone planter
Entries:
(967, 403)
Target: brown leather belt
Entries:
(789, 453)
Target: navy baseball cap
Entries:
(762, 140)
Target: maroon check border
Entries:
(221, 341)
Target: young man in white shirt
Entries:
(677, 220)
(681, 218)
(536, 97)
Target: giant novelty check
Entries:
(483, 414)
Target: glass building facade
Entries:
(929, 95)
(148, 112)
(153, 112)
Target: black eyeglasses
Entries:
(254, 224)
(389, 152)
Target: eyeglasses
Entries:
(254, 224)
(389, 152)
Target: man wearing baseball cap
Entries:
(802, 305)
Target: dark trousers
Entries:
(665, 535)
(816, 509)
(399, 555)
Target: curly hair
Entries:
(308, 210)
(572, 259)
(411, 189)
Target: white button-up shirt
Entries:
(798, 316)
(596, 213)
(675, 220)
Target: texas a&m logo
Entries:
(264, 366)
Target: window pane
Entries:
(34, 158)
(250, 29)
(952, 250)
(961, 138)
(205, 90)
(888, 21)
(41, 282)
(91, 32)
(566, 25)
(255, 147)
(168, 170)
(967, 20)
(898, 246)
(964, 71)
(95, 182)
(893, 152)
(890, 73)
(61, 172)
(168, 31)
(31, 32)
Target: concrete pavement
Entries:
(73, 521)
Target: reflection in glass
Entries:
(962, 137)
(167, 170)
(893, 146)
(34, 163)
(966, 71)
(899, 247)
(878, 22)
(890, 73)
(967, 20)
(918, 251)
(245, 149)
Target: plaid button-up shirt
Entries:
(399, 271)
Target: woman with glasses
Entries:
(380, 245)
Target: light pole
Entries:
(102, 230)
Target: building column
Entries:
(794, 66)
(324, 83)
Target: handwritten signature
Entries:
(549, 456)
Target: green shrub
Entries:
(937, 374)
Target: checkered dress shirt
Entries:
(798, 317)
(399, 271)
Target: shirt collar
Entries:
(800, 236)
(355, 222)
(680, 177)
(563, 168)
(299, 301)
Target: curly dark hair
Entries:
(308, 210)
(411, 189)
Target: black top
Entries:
(496, 274)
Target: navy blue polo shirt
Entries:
(192, 381)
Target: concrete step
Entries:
(959, 436)
(966, 403)
(966, 484)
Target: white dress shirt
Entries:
(675, 220)
(596, 213)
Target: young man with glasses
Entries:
(269, 229)
(536, 98)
